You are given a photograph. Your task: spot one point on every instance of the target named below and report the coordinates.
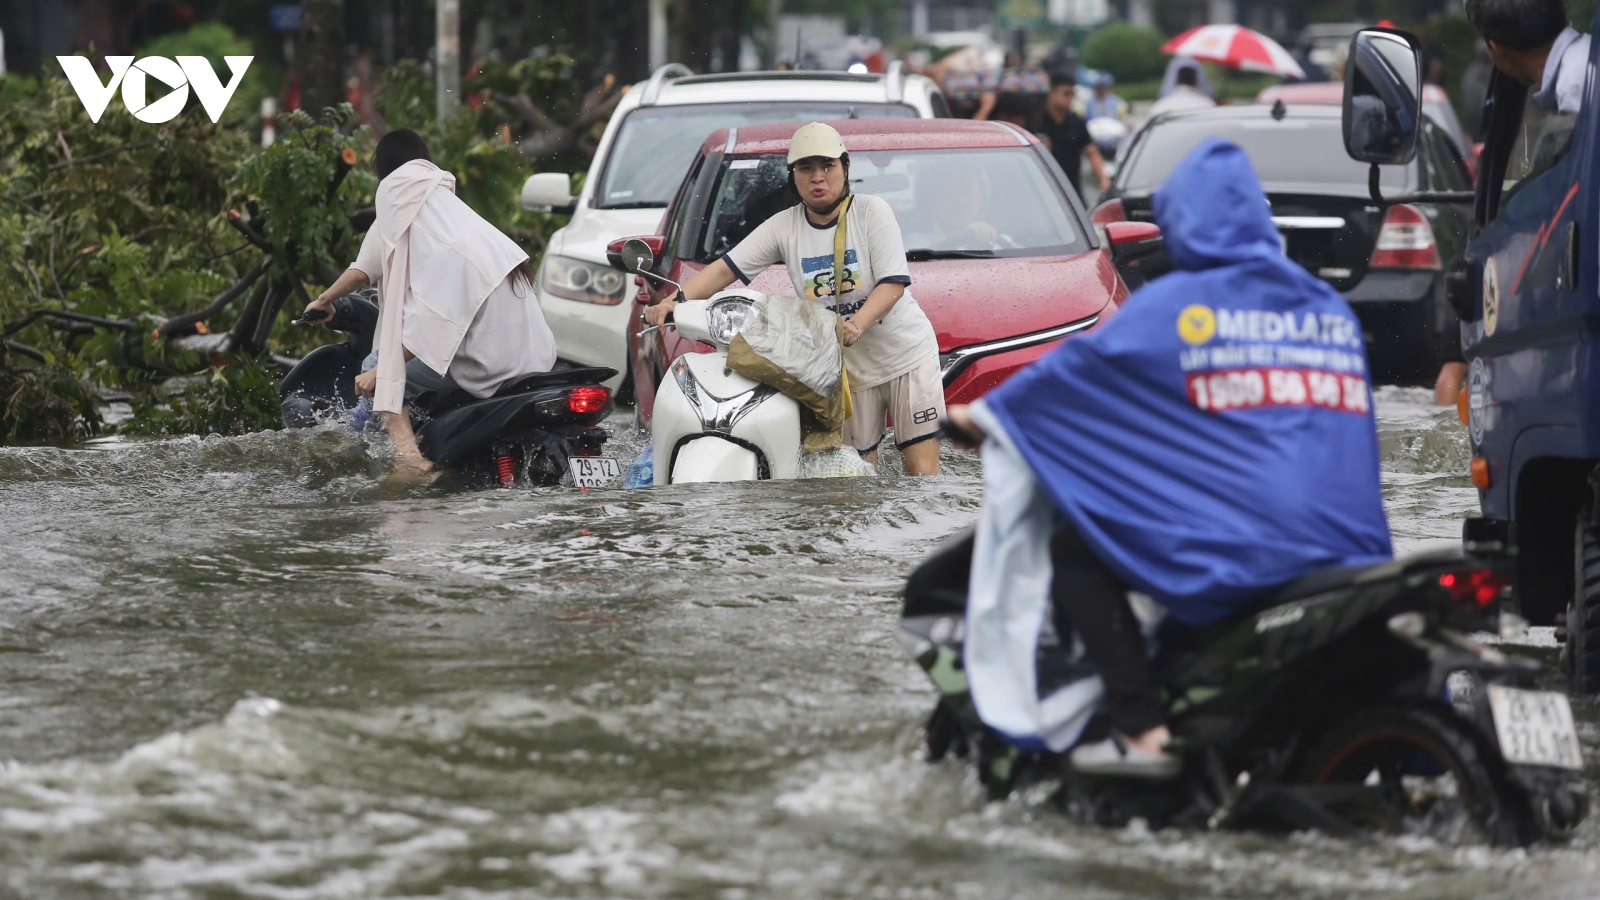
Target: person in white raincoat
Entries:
(457, 307)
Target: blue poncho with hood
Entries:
(1215, 439)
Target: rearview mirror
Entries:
(637, 256)
(549, 192)
(1382, 97)
(1138, 251)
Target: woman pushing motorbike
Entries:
(891, 352)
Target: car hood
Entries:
(973, 301)
(587, 235)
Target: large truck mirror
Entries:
(1382, 97)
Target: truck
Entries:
(1527, 291)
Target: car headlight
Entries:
(728, 316)
(587, 282)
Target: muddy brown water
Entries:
(252, 667)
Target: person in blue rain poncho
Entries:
(1210, 443)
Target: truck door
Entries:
(1531, 379)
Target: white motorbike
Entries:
(710, 422)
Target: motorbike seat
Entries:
(1177, 640)
(557, 378)
(1333, 579)
(1325, 580)
(436, 402)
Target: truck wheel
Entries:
(1580, 651)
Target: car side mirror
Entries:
(1138, 251)
(1382, 97)
(548, 192)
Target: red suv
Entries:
(1003, 257)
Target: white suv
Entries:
(647, 147)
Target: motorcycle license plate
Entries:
(593, 471)
(1535, 728)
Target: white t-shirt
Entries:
(875, 253)
(507, 339)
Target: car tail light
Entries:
(1405, 241)
(1108, 212)
(584, 400)
(1479, 586)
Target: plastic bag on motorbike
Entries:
(793, 345)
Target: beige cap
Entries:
(815, 139)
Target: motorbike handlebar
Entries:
(961, 437)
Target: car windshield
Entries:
(950, 204)
(656, 144)
(1291, 151)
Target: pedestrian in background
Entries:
(1185, 93)
(1104, 103)
(1169, 79)
(1068, 135)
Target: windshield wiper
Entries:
(634, 204)
(924, 253)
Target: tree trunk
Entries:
(319, 54)
(693, 22)
(730, 33)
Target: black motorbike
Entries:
(1354, 701)
(542, 429)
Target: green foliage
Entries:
(51, 404)
(1581, 14)
(291, 180)
(489, 172)
(110, 229)
(213, 40)
(1455, 41)
(238, 398)
(404, 95)
(115, 219)
(1129, 52)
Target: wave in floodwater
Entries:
(256, 667)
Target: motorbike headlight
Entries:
(587, 282)
(728, 316)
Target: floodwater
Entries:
(250, 667)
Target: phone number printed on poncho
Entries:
(1257, 388)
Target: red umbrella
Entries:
(1236, 47)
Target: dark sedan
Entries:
(1389, 262)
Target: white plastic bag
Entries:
(798, 337)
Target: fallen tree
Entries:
(161, 264)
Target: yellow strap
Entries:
(839, 241)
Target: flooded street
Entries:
(250, 667)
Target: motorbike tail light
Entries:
(1405, 241)
(1478, 586)
(1108, 212)
(588, 399)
